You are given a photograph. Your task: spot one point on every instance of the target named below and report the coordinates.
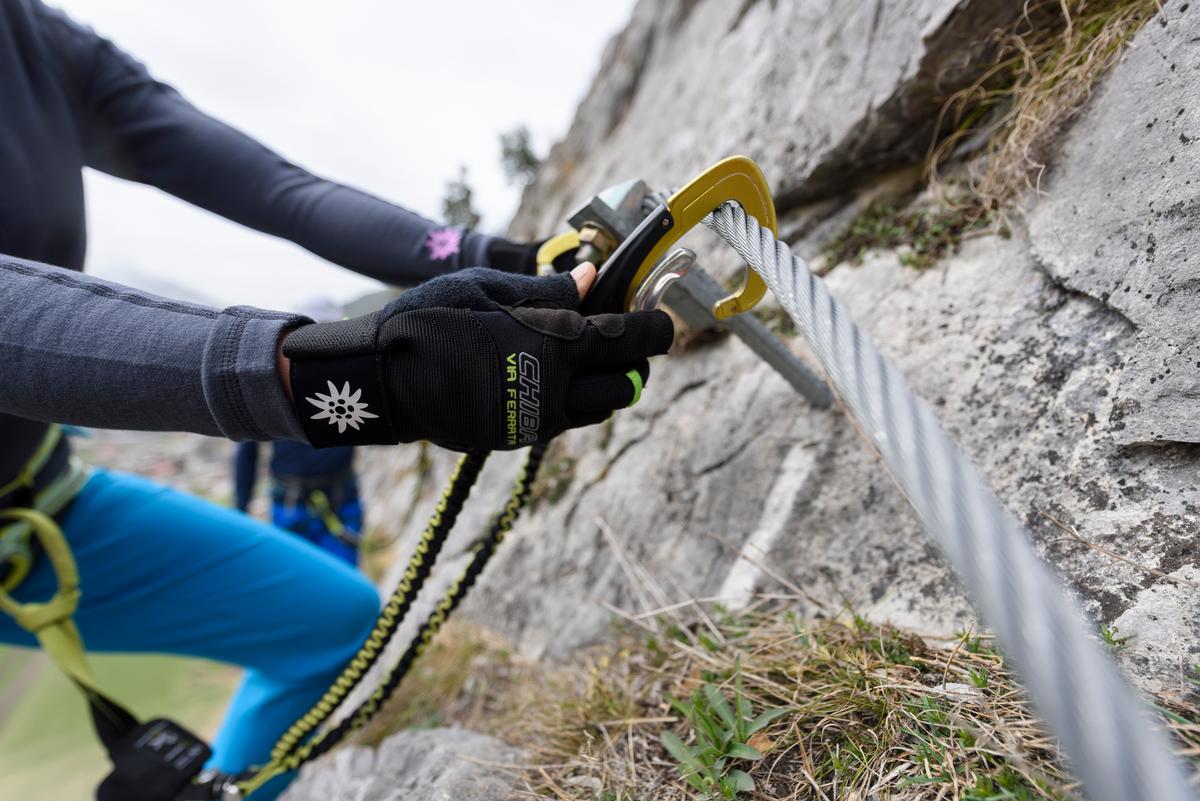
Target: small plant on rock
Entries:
(722, 729)
(1112, 639)
(978, 677)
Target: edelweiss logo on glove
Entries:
(341, 408)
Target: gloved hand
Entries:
(521, 257)
(476, 359)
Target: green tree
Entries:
(457, 207)
(517, 157)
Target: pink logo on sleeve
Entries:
(443, 243)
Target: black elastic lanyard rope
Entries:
(298, 745)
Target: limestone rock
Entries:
(1120, 221)
(416, 765)
(820, 93)
(721, 481)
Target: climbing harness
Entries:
(629, 230)
(151, 761)
(322, 509)
(32, 489)
(327, 514)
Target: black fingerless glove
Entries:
(477, 359)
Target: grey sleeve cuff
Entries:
(241, 382)
(81, 350)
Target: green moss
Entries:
(926, 233)
(877, 227)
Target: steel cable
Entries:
(1103, 728)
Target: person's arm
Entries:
(79, 350)
(137, 128)
(245, 474)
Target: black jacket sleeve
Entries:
(81, 350)
(138, 128)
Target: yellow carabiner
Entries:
(554, 247)
(735, 178)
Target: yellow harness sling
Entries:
(136, 749)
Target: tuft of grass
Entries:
(722, 730)
(1044, 73)
(682, 709)
(998, 132)
(978, 677)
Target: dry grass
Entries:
(1043, 76)
(872, 712)
(996, 137)
(459, 680)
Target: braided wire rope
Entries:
(1102, 726)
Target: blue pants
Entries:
(165, 572)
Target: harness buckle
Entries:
(157, 760)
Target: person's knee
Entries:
(352, 608)
(348, 613)
(362, 606)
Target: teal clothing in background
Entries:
(164, 572)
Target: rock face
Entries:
(1121, 223)
(821, 92)
(419, 765)
(1065, 359)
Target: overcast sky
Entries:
(387, 95)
